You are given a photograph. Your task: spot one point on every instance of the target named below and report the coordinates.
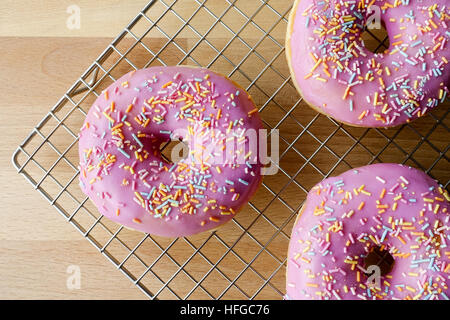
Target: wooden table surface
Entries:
(42, 58)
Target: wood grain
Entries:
(36, 244)
(42, 59)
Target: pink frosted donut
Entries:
(124, 174)
(339, 77)
(388, 216)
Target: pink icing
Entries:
(356, 86)
(388, 205)
(122, 170)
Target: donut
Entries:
(121, 166)
(339, 77)
(379, 232)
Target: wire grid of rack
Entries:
(246, 258)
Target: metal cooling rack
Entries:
(245, 259)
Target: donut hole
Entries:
(175, 150)
(375, 38)
(380, 258)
